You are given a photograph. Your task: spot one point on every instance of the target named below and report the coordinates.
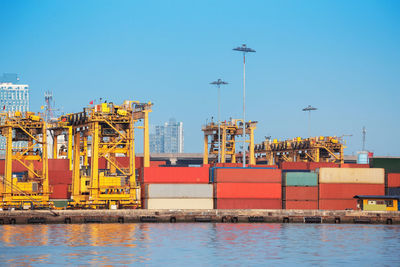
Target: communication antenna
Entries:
(49, 108)
(364, 132)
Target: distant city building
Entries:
(13, 97)
(167, 138)
(9, 78)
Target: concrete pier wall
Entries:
(173, 216)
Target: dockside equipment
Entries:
(26, 145)
(107, 131)
(313, 149)
(229, 130)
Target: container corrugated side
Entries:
(179, 191)
(391, 165)
(294, 166)
(337, 204)
(180, 175)
(249, 190)
(393, 191)
(347, 191)
(301, 179)
(235, 203)
(301, 193)
(176, 203)
(247, 175)
(301, 205)
(352, 175)
(393, 180)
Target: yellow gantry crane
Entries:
(106, 131)
(228, 133)
(313, 149)
(26, 143)
(61, 128)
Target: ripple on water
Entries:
(199, 244)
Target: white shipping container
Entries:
(178, 204)
(351, 176)
(179, 191)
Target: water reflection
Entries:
(199, 244)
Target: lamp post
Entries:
(309, 109)
(244, 49)
(218, 83)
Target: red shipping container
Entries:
(347, 165)
(393, 179)
(232, 203)
(170, 175)
(248, 175)
(264, 166)
(233, 165)
(16, 166)
(302, 193)
(249, 190)
(315, 165)
(294, 165)
(301, 205)
(348, 191)
(123, 162)
(60, 177)
(58, 164)
(337, 204)
(60, 191)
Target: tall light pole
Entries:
(218, 83)
(244, 49)
(309, 109)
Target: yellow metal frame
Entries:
(105, 131)
(229, 131)
(32, 129)
(314, 149)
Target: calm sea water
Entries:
(200, 244)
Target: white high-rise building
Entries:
(167, 138)
(13, 97)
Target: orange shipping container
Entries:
(348, 191)
(294, 165)
(232, 203)
(301, 205)
(170, 175)
(248, 175)
(264, 166)
(347, 165)
(393, 179)
(249, 190)
(337, 204)
(316, 165)
(301, 193)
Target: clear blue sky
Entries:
(342, 57)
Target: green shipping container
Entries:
(301, 179)
(391, 165)
(60, 203)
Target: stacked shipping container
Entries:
(176, 188)
(247, 188)
(338, 186)
(392, 173)
(60, 178)
(178, 196)
(301, 190)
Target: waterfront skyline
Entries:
(339, 56)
